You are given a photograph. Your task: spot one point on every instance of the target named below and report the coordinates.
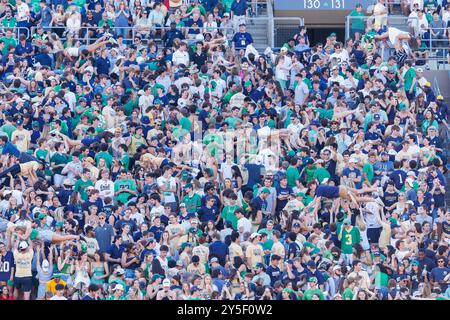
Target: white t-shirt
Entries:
(106, 188)
(244, 224)
(169, 197)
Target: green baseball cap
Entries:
(312, 279)
(265, 190)
(41, 216)
(187, 185)
(300, 194)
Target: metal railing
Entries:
(83, 33)
(401, 22)
(281, 28)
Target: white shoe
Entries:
(112, 41)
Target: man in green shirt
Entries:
(349, 236)
(9, 21)
(410, 80)
(8, 40)
(292, 174)
(83, 183)
(124, 188)
(191, 199)
(234, 118)
(357, 22)
(105, 155)
(368, 172)
(228, 212)
(8, 127)
(321, 173)
(313, 290)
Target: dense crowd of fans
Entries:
(150, 152)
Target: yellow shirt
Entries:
(23, 263)
(173, 230)
(202, 252)
(235, 251)
(255, 253)
(51, 285)
(28, 167)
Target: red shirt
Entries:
(2, 297)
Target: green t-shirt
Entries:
(357, 23)
(321, 174)
(347, 294)
(325, 113)
(124, 184)
(105, 155)
(228, 215)
(349, 239)
(292, 176)
(232, 121)
(310, 293)
(310, 172)
(59, 158)
(368, 169)
(125, 161)
(8, 42)
(8, 129)
(81, 187)
(185, 124)
(9, 23)
(408, 78)
(192, 203)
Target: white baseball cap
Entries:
(45, 265)
(166, 283)
(23, 245)
(118, 287)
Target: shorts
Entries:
(373, 234)
(330, 192)
(75, 52)
(23, 283)
(26, 157)
(45, 235)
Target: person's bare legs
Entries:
(56, 238)
(97, 45)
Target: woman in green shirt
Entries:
(428, 122)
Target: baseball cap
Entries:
(311, 264)
(166, 283)
(265, 190)
(187, 185)
(346, 221)
(353, 160)
(195, 288)
(118, 286)
(19, 122)
(254, 235)
(312, 279)
(427, 84)
(213, 259)
(120, 271)
(182, 205)
(23, 245)
(411, 173)
(439, 97)
(45, 265)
